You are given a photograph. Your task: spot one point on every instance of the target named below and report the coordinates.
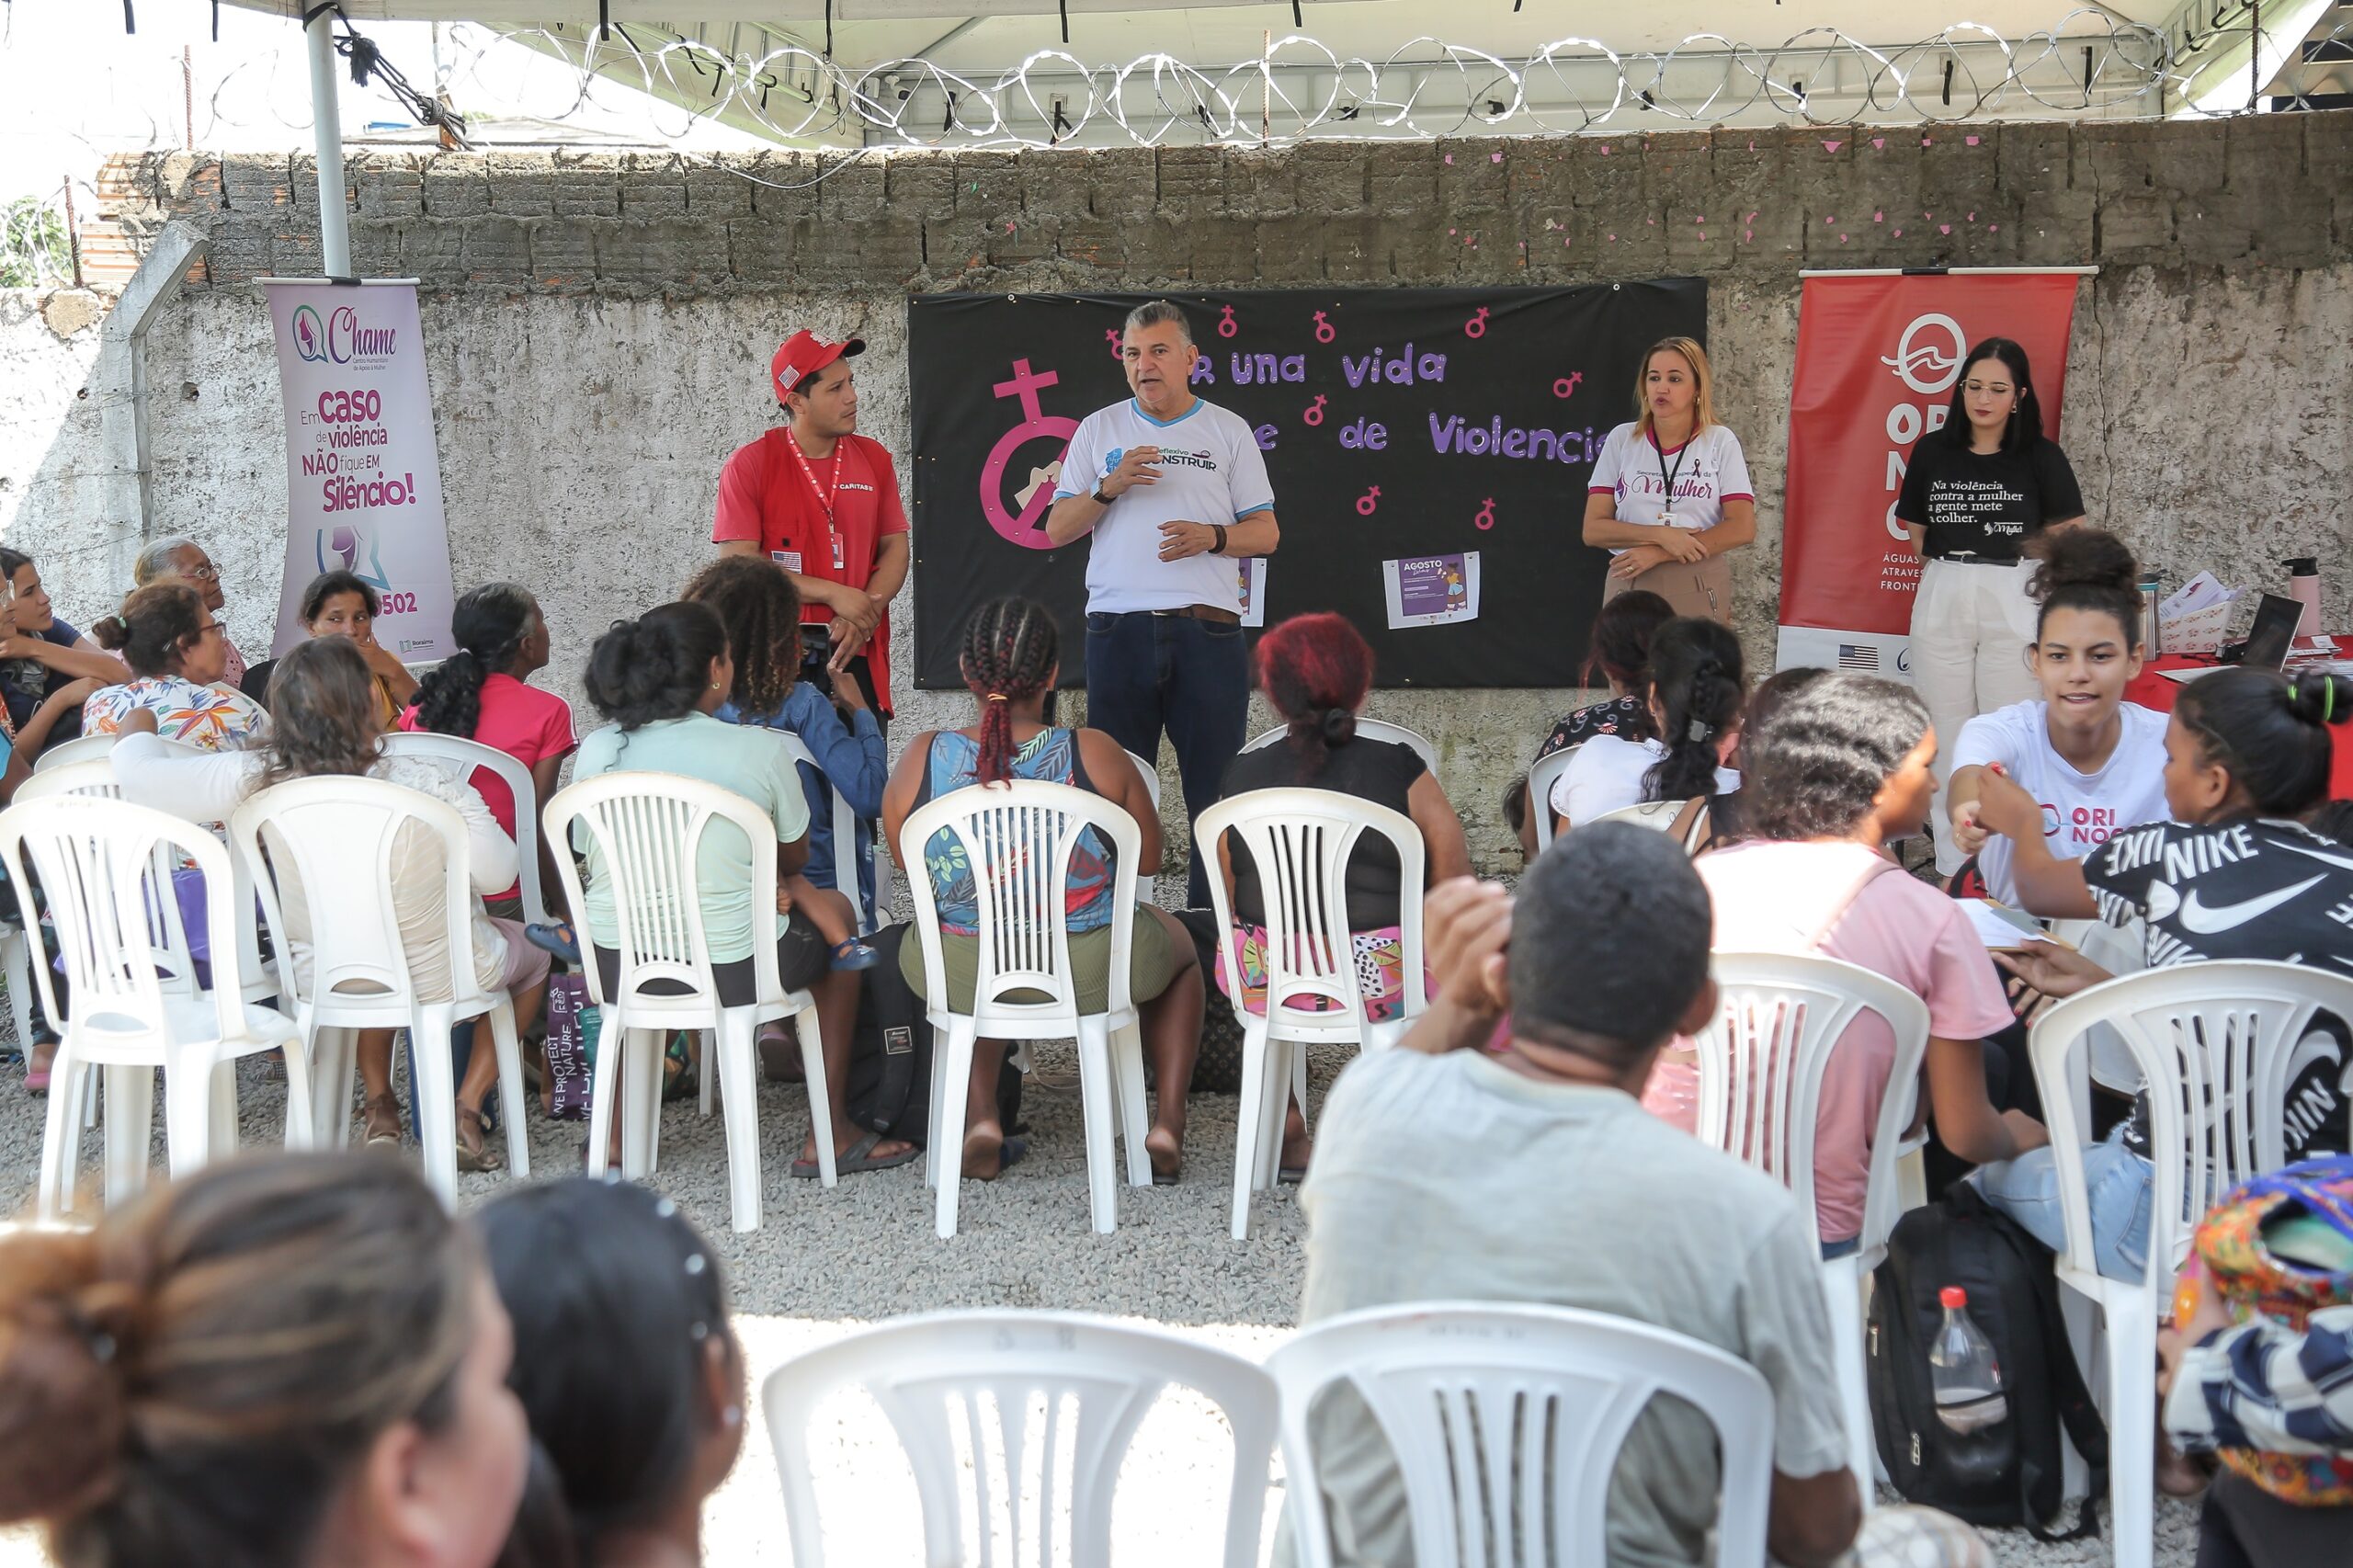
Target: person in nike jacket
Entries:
(2236, 875)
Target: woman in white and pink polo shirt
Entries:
(1670, 494)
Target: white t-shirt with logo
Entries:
(1210, 471)
(1708, 471)
(2080, 811)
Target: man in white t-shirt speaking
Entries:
(1175, 492)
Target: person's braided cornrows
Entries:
(1010, 650)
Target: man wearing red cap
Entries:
(822, 503)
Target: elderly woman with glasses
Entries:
(179, 657)
(185, 559)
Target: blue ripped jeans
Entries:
(2117, 1182)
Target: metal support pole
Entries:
(327, 116)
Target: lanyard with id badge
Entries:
(825, 499)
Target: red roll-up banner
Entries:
(1878, 356)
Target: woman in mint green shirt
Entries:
(659, 679)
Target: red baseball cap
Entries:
(804, 353)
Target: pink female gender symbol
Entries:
(1477, 325)
(1323, 331)
(1567, 384)
(1368, 501)
(1486, 518)
(1226, 328)
(1111, 336)
(1315, 414)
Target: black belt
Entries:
(1200, 612)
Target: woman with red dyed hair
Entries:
(1317, 670)
(1012, 654)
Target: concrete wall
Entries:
(599, 326)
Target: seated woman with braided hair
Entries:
(1012, 654)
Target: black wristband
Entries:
(1100, 499)
(1219, 548)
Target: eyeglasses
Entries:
(205, 572)
(212, 626)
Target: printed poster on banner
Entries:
(1878, 358)
(363, 475)
(1432, 590)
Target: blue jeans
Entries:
(2117, 1182)
(1148, 672)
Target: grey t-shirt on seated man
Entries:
(1456, 1178)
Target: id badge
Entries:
(787, 558)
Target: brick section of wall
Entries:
(2254, 192)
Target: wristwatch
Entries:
(1100, 499)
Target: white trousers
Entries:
(1970, 627)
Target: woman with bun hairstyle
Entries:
(477, 694)
(286, 1360)
(325, 722)
(1619, 653)
(2095, 762)
(2234, 874)
(660, 679)
(626, 1365)
(1011, 658)
(178, 658)
(1697, 687)
(1976, 493)
(1670, 492)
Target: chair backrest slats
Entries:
(1299, 841)
(1780, 1021)
(1506, 1423)
(2214, 1042)
(465, 756)
(1018, 841)
(1002, 1415)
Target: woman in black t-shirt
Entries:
(1317, 670)
(1975, 495)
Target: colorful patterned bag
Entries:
(2251, 1279)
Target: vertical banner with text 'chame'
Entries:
(1879, 355)
(363, 476)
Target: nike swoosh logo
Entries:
(2318, 855)
(2206, 919)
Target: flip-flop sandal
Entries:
(477, 1155)
(556, 936)
(849, 953)
(1291, 1176)
(860, 1158)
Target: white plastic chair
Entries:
(2214, 1043)
(335, 836)
(136, 1006)
(1367, 729)
(1478, 1401)
(1541, 779)
(93, 748)
(1019, 839)
(1760, 1065)
(647, 829)
(1005, 1386)
(465, 756)
(1659, 814)
(1299, 841)
(1149, 887)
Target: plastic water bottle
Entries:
(1961, 1368)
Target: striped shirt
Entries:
(2266, 1386)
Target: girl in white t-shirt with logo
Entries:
(1670, 494)
(2093, 761)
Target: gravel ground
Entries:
(825, 1262)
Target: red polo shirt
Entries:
(766, 496)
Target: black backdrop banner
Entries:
(1408, 426)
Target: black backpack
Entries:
(2007, 1473)
(889, 1090)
